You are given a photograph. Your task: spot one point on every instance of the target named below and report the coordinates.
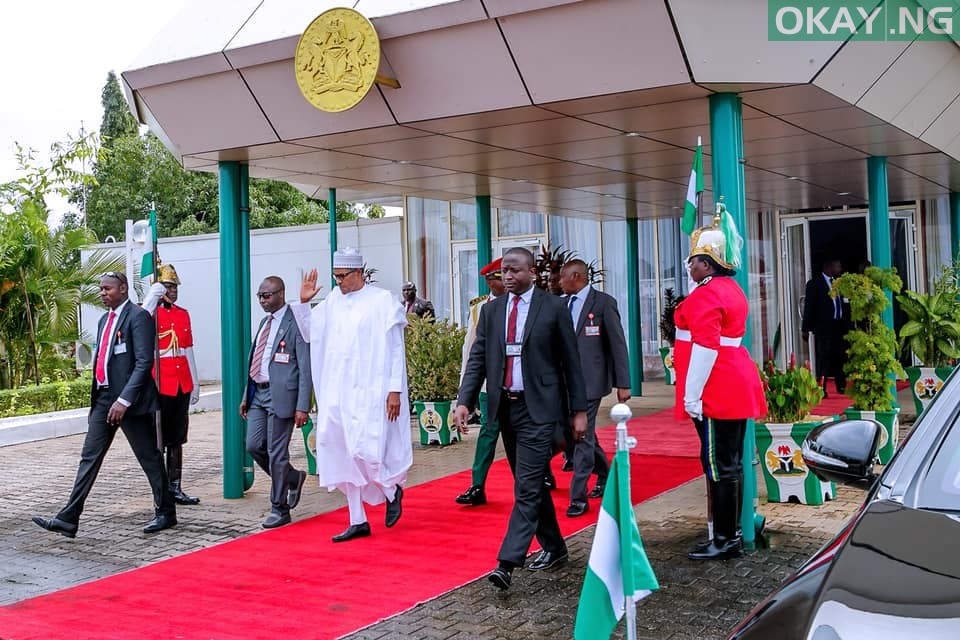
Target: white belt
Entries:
(685, 336)
(170, 355)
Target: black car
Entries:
(893, 572)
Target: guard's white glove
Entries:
(152, 299)
(192, 362)
(702, 360)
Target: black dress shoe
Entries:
(549, 481)
(394, 508)
(161, 522)
(597, 491)
(567, 464)
(361, 530)
(182, 498)
(577, 508)
(276, 519)
(719, 549)
(501, 578)
(57, 525)
(293, 493)
(548, 560)
(475, 496)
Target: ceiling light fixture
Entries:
(792, 178)
(844, 193)
(402, 161)
(519, 180)
(631, 134)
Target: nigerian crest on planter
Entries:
(434, 350)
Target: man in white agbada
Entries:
(360, 381)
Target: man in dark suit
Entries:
(605, 363)
(526, 350)
(827, 319)
(277, 398)
(123, 395)
(415, 304)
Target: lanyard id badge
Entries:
(281, 357)
(591, 329)
(514, 349)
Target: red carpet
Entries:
(294, 581)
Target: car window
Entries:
(940, 487)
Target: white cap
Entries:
(347, 258)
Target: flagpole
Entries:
(699, 193)
(157, 418)
(621, 413)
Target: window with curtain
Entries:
(428, 251)
(762, 277)
(576, 234)
(936, 236)
(673, 247)
(463, 220)
(519, 223)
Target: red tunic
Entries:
(174, 335)
(715, 310)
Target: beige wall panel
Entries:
(272, 32)
(366, 136)
(484, 120)
(194, 113)
(628, 100)
(480, 77)
(727, 42)
(497, 8)
(856, 67)
(795, 99)
(906, 78)
(594, 48)
(397, 18)
(927, 105)
(275, 87)
(945, 128)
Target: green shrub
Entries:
(792, 393)
(50, 396)
(434, 350)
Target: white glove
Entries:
(192, 363)
(195, 395)
(702, 360)
(152, 299)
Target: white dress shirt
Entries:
(264, 375)
(577, 308)
(522, 309)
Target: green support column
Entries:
(726, 140)
(245, 329)
(332, 208)
(955, 225)
(878, 220)
(634, 342)
(484, 244)
(231, 332)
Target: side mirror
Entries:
(843, 451)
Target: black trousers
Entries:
(140, 431)
(174, 419)
(588, 456)
(830, 348)
(529, 447)
(721, 447)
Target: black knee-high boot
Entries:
(726, 514)
(174, 472)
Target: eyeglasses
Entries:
(339, 277)
(266, 295)
(116, 275)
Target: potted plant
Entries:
(872, 364)
(434, 350)
(668, 333)
(932, 335)
(791, 394)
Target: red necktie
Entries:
(101, 371)
(511, 337)
(257, 360)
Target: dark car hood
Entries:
(897, 576)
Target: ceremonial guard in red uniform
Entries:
(177, 375)
(718, 384)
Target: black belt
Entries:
(262, 385)
(512, 395)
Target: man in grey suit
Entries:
(526, 351)
(277, 398)
(605, 363)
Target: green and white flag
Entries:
(691, 209)
(149, 262)
(618, 564)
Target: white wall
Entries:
(286, 252)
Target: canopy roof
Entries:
(586, 108)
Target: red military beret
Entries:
(492, 269)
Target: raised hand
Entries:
(309, 287)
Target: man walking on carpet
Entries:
(277, 398)
(360, 382)
(605, 363)
(489, 428)
(527, 352)
(122, 396)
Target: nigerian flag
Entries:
(618, 565)
(691, 214)
(149, 262)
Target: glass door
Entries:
(904, 253)
(465, 285)
(795, 267)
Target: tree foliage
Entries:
(42, 279)
(135, 173)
